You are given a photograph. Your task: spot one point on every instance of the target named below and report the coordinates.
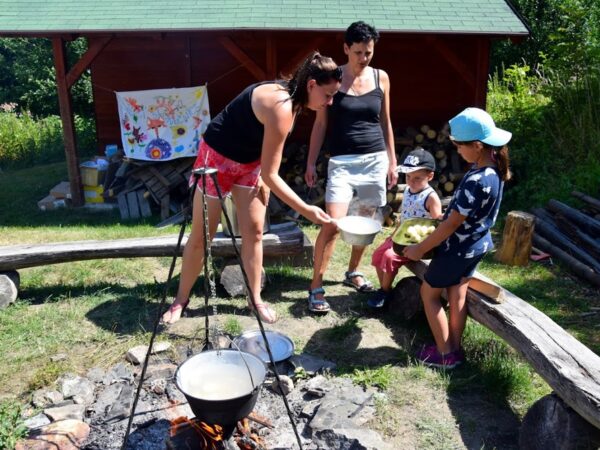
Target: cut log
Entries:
(9, 287)
(572, 263)
(515, 247)
(283, 239)
(591, 225)
(591, 201)
(550, 424)
(568, 366)
(592, 246)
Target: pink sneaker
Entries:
(447, 361)
(426, 352)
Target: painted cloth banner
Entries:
(163, 124)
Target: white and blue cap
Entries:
(474, 124)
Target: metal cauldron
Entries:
(221, 386)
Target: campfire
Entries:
(195, 434)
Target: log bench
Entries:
(284, 241)
(570, 368)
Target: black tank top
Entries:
(353, 123)
(235, 132)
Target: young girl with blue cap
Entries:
(463, 237)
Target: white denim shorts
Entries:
(362, 175)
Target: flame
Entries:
(211, 435)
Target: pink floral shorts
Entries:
(229, 172)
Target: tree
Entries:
(27, 76)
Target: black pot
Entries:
(221, 386)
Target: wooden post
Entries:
(516, 239)
(66, 115)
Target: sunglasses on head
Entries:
(324, 76)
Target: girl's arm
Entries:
(275, 113)
(388, 132)
(317, 136)
(443, 231)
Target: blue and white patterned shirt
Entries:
(478, 197)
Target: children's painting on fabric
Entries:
(163, 124)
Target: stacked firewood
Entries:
(450, 169)
(571, 235)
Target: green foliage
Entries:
(556, 139)
(28, 77)
(379, 377)
(26, 141)
(46, 375)
(343, 330)
(12, 427)
(565, 37)
(232, 326)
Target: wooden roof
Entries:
(51, 17)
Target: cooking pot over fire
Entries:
(221, 386)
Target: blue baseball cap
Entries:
(474, 124)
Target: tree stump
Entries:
(9, 287)
(405, 301)
(233, 280)
(550, 424)
(515, 247)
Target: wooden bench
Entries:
(284, 241)
(568, 366)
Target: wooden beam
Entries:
(464, 71)
(568, 366)
(271, 57)
(242, 57)
(66, 115)
(295, 60)
(84, 62)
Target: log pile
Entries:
(571, 235)
(450, 169)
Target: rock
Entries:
(43, 398)
(9, 287)
(37, 421)
(118, 373)
(158, 386)
(65, 412)
(63, 435)
(233, 280)
(317, 386)
(351, 438)
(164, 370)
(311, 364)
(136, 355)
(113, 403)
(58, 357)
(81, 390)
(96, 375)
(405, 302)
(285, 386)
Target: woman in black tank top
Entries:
(249, 133)
(357, 131)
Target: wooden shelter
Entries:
(436, 52)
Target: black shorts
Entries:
(448, 270)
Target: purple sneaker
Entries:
(426, 352)
(447, 361)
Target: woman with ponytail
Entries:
(463, 237)
(244, 142)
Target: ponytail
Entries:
(500, 157)
(316, 66)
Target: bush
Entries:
(26, 141)
(556, 140)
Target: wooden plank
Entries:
(282, 240)
(132, 203)
(242, 57)
(159, 176)
(164, 207)
(123, 208)
(568, 366)
(94, 49)
(143, 203)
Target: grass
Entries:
(94, 311)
